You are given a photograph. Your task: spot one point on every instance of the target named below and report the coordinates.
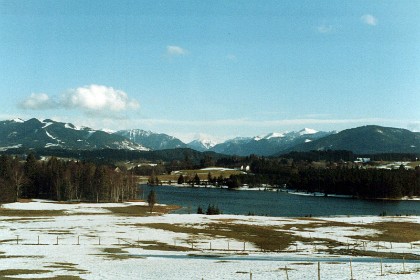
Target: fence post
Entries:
(351, 271)
(56, 241)
(99, 240)
(38, 239)
(78, 240)
(287, 274)
(17, 239)
(250, 275)
(210, 246)
(319, 271)
(381, 268)
(228, 246)
(403, 264)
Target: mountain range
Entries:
(38, 134)
(371, 139)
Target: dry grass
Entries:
(16, 272)
(117, 254)
(62, 277)
(138, 210)
(70, 267)
(266, 238)
(159, 246)
(202, 174)
(30, 213)
(394, 232)
(389, 231)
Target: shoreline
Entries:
(268, 188)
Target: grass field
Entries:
(202, 174)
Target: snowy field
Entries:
(89, 241)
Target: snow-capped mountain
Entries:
(202, 144)
(268, 144)
(370, 139)
(35, 133)
(152, 140)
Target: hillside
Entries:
(37, 134)
(370, 139)
(151, 140)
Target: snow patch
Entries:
(2, 149)
(274, 135)
(49, 135)
(71, 126)
(18, 120)
(217, 169)
(306, 131)
(46, 124)
(109, 131)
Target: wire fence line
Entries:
(401, 266)
(215, 245)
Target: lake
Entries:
(276, 203)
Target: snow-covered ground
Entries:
(92, 243)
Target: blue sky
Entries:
(216, 68)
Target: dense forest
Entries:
(347, 179)
(63, 180)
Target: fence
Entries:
(227, 246)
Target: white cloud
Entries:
(369, 19)
(325, 29)
(175, 51)
(37, 101)
(96, 99)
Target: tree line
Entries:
(332, 179)
(63, 180)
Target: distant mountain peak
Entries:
(202, 144)
(306, 131)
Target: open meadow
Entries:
(49, 240)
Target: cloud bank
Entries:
(92, 99)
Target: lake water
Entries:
(275, 203)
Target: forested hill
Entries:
(113, 155)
